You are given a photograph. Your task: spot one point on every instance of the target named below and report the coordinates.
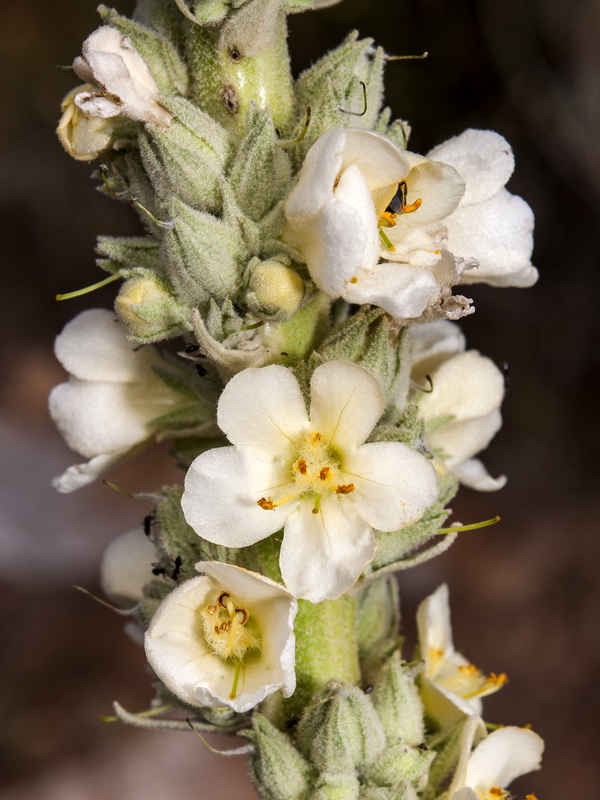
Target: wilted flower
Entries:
(83, 137)
(103, 410)
(309, 474)
(225, 638)
(398, 230)
(462, 408)
(110, 62)
(451, 687)
(506, 754)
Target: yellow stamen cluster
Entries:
(465, 680)
(495, 793)
(314, 472)
(225, 629)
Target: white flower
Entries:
(490, 224)
(504, 755)
(451, 687)
(462, 409)
(83, 137)
(377, 225)
(225, 638)
(112, 394)
(127, 566)
(309, 474)
(125, 86)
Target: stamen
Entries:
(317, 507)
(354, 280)
(386, 240)
(387, 219)
(412, 206)
(344, 488)
(316, 437)
(246, 614)
(220, 600)
(266, 503)
(301, 466)
(236, 680)
(323, 473)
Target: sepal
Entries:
(127, 252)
(188, 159)
(396, 699)
(377, 623)
(340, 729)
(277, 769)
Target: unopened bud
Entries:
(275, 289)
(340, 732)
(83, 137)
(148, 310)
(397, 700)
(278, 770)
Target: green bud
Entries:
(127, 252)
(332, 786)
(378, 620)
(332, 88)
(148, 309)
(163, 16)
(164, 62)
(261, 173)
(340, 731)
(368, 338)
(203, 255)
(396, 699)
(453, 748)
(278, 770)
(275, 290)
(400, 791)
(246, 61)
(187, 159)
(400, 762)
(299, 336)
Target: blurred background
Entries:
(525, 593)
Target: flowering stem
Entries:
(326, 649)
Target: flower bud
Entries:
(340, 732)
(278, 770)
(148, 309)
(127, 566)
(332, 786)
(397, 701)
(275, 289)
(402, 763)
(83, 137)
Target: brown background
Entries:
(525, 593)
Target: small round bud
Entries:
(277, 287)
(83, 137)
(148, 309)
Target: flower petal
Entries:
(93, 347)
(434, 626)
(432, 343)
(394, 484)
(503, 756)
(316, 179)
(465, 387)
(322, 555)
(222, 489)
(438, 186)
(472, 473)
(96, 418)
(499, 234)
(127, 566)
(459, 441)
(263, 408)
(402, 290)
(483, 158)
(346, 402)
(79, 475)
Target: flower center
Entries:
(315, 471)
(397, 205)
(465, 680)
(226, 631)
(495, 793)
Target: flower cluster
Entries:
(315, 388)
